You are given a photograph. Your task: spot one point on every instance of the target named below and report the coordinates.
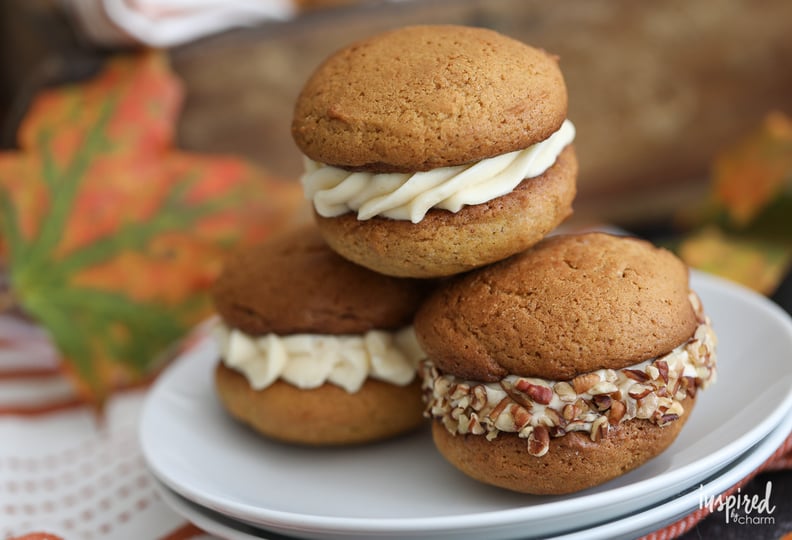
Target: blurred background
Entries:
(656, 88)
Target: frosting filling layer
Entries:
(537, 409)
(309, 360)
(408, 196)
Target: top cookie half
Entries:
(424, 97)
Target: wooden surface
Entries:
(656, 88)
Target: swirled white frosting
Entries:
(408, 196)
(310, 360)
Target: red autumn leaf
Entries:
(111, 236)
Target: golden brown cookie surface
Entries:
(295, 283)
(326, 415)
(569, 305)
(423, 97)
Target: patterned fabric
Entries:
(63, 471)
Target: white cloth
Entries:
(61, 470)
(167, 23)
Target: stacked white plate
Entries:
(238, 485)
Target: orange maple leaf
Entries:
(112, 237)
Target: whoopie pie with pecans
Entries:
(564, 366)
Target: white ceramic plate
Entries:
(212, 522)
(631, 526)
(658, 516)
(403, 488)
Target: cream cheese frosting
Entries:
(309, 360)
(409, 196)
(591, 402)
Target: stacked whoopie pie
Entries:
(550, 364)
(434, 150)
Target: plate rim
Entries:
(719, 482)
(671, 509)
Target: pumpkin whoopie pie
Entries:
(315, 349)
(566, 365)
(433, 150)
